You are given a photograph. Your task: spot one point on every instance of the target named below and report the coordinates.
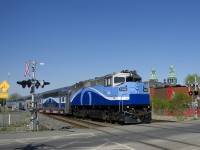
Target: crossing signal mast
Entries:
(33, 83)
(194, 93)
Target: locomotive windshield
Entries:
(132, 79)
(127, 78)
(119, 79)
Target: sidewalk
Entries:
(170, 118)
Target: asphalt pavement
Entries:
(154, 136)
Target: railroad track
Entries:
(85, 123)
(79, 123)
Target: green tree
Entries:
(178, 104)
(14, 96)
(2, 101)
(191, 78)
(158, 105)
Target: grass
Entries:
(3, 129)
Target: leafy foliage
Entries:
(14, 96)
(190, 78)
(178, 105)
(175, 106)
(179, 101)
(2, 101)
(159, 103)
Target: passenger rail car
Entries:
(117, 97)
(53, 101)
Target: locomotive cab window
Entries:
(119, 80)
(107, 82)
(131, 79)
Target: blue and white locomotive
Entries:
(117, 97)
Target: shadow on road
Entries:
(34, 147)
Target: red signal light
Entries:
(196, 92)
(190, 93)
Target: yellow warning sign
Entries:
(3, 95)
(4, 86)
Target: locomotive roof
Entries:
(64, 90)
(134, 75)
(60, 90)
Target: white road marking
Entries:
(124, 146)
(101, 145)
(67, 144)
(20, 141)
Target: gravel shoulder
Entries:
(19, 121)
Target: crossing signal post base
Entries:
(196, 113)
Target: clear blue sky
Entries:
(82, 39)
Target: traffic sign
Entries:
(3, 95)
(4, 86)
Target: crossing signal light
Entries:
(37, 84)
(193, 93)
(25, 83)
(196, 92)
(41, 83)
(22, 83)
(190, 93)
(32, 90)
(29, 83)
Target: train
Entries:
(117, 97)
(19, 104)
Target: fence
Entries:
(178, 114)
